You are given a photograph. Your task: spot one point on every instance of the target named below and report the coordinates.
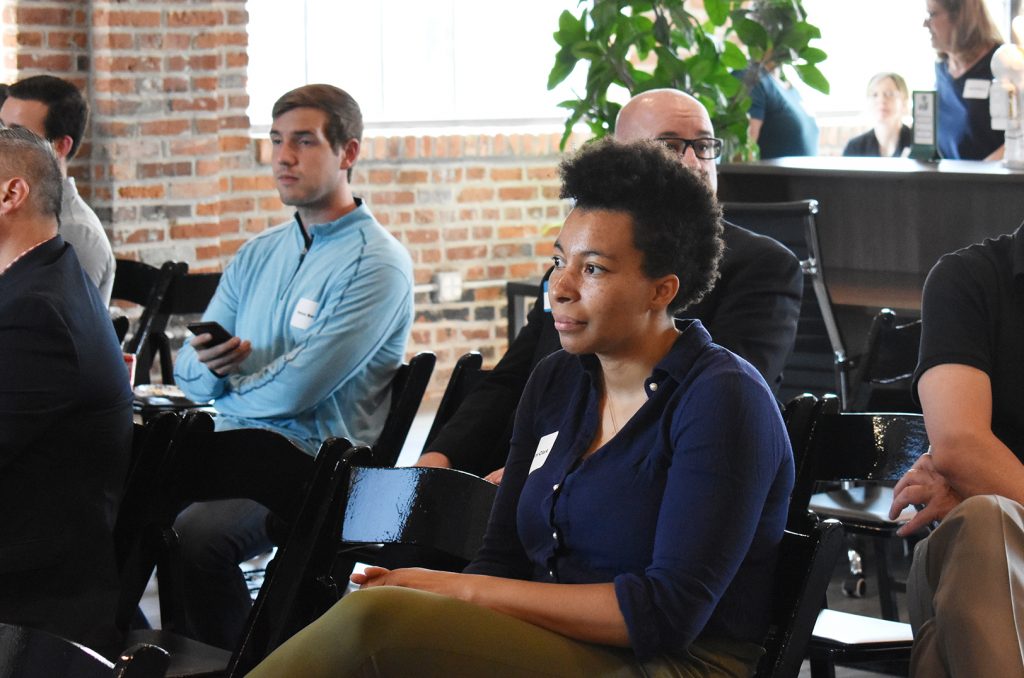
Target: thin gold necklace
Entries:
(611, 411)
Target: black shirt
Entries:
(866, 145)
(973, 314)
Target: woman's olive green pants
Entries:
(389, 631)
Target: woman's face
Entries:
(887, 103)
(601, 299)
(940, 24)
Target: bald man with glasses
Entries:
(753, 309)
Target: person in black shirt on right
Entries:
(966, 584)
(752, 310)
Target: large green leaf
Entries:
(570, 29)
(751, 33)
(718, 11)
(565, 62)
(733, 56)
(813, 55)
(813, 77)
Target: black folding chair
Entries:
(465, 376)
(860, 447)
(407, 389)
(31, 653)
(202, 465)
(146, 286)
(807, 557)
(880, 377)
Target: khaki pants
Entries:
(966, 593)
(389, 631)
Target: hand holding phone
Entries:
(214, 329)
(220, 357)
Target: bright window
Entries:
(410, 62)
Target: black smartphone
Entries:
(220, 335)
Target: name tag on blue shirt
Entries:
(544, 446)
(304, 313)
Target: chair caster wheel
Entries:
(855, 587)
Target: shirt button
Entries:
(551, 573)
(654, 387)
(554, 535)
(554, 487)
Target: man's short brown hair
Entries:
(344, 119)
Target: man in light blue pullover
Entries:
(321, 308)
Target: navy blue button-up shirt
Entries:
(683, 509)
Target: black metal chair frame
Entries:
(31, 653)
(188, 294)
(407, 389)
(807, 249)
(146, 286)
(200, 465)
(889, 358)
(465, 376)
(858, 447)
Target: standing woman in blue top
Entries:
(637, 525)
(965, 37)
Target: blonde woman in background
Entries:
(889, 103)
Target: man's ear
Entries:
(349, 153)
(62, 146)
(14, 193)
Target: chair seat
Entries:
(188, 657)
(854, 629)
(865, 506)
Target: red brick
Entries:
(133, 18)
(517, 193)
(142, 192)
(506, 174)
(475, 195)
(194, 18)
(190, 231)
(466, 252)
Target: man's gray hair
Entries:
(26, 155)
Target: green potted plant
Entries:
(637, 45)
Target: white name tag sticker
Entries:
(976, 88)
(544, 446)
(305, 312)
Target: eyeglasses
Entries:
(707, 148)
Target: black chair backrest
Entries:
(807, 559)
(31, 653)
(188, 295)
(121, 326)
(799, 416)
(289, 592)
(858, 446)
(880, 380)
(422, 515)
(407, 389)
(147, 286)
(819, 357)
(465, 376)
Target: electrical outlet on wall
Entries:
(449, 286)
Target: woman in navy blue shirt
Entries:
(637, 524)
